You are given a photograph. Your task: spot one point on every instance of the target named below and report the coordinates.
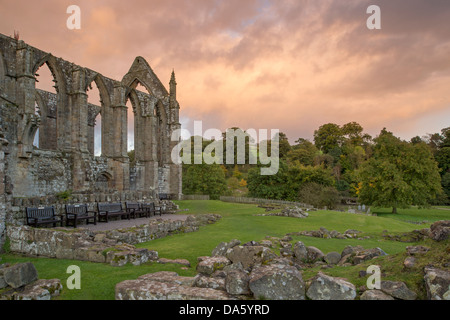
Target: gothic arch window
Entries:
(103, 181)
(46, 105)
(95, 106)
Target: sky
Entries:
(291, 65)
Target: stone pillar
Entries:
(175, 169)
(79, 125)
(25, 82)
(115, 138)
(25, 99)
(3, 144)
(118, 123)
(79, 106)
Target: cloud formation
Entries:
(291, 65)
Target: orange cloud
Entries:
(288, 65)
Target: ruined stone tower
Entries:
(65, 121)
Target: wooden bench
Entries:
(75, 213)
(108, 210)
(152, 208)
(43, 216)
(138, 209)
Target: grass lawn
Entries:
(238, 222)
(416, 215)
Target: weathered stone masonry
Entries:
(65, 158)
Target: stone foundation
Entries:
(114, 247)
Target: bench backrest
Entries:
(40, 213)
(79, 209)
(133, 205)
(150, 206)
(110, 207)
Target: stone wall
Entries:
(64, 123)
(101, 246)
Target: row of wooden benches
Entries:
(75, 213)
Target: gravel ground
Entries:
(121, 224)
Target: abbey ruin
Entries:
(63, 123)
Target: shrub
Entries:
(319, 195)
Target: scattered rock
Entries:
(367, 255)
(440, 230)
(416, 250)
(314, 254)
(202, 281)
(351, 250)
(143, 289)
(250, 256)
(437, 283)
(277, 282)
(375, 295)
(40, 290)
(398, 290)
(223, 247)
(170, 277)
(324, 287)
(20, 275)
(293, 212)
(409, 262)
(209, 265)
(333, 258)
(300, 252)
(237, 282)
(183, 262)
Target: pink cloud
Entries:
(289, 65)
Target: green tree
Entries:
(304, 152)
(399, 174)
(207, 179)
(328, 137)
(446, 184)
(318, 195)
(268, 186)
(298, 175)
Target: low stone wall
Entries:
(114, 247)
(262, 201)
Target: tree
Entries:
(304, 152)
(327, 137)
(399, 174)
(268, 186)
(298, 175)
(208, 179)
(284, 145)
(318, 195)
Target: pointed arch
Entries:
(96, 131)
(133, 98)
(140, 70)
(103, 181)
(105, 96)
(62, 116)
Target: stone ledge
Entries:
(114, 247)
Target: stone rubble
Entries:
(20, 282)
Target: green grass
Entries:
(416, 215)
(238, 222)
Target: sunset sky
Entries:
(291, 65)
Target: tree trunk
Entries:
(394, 210)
